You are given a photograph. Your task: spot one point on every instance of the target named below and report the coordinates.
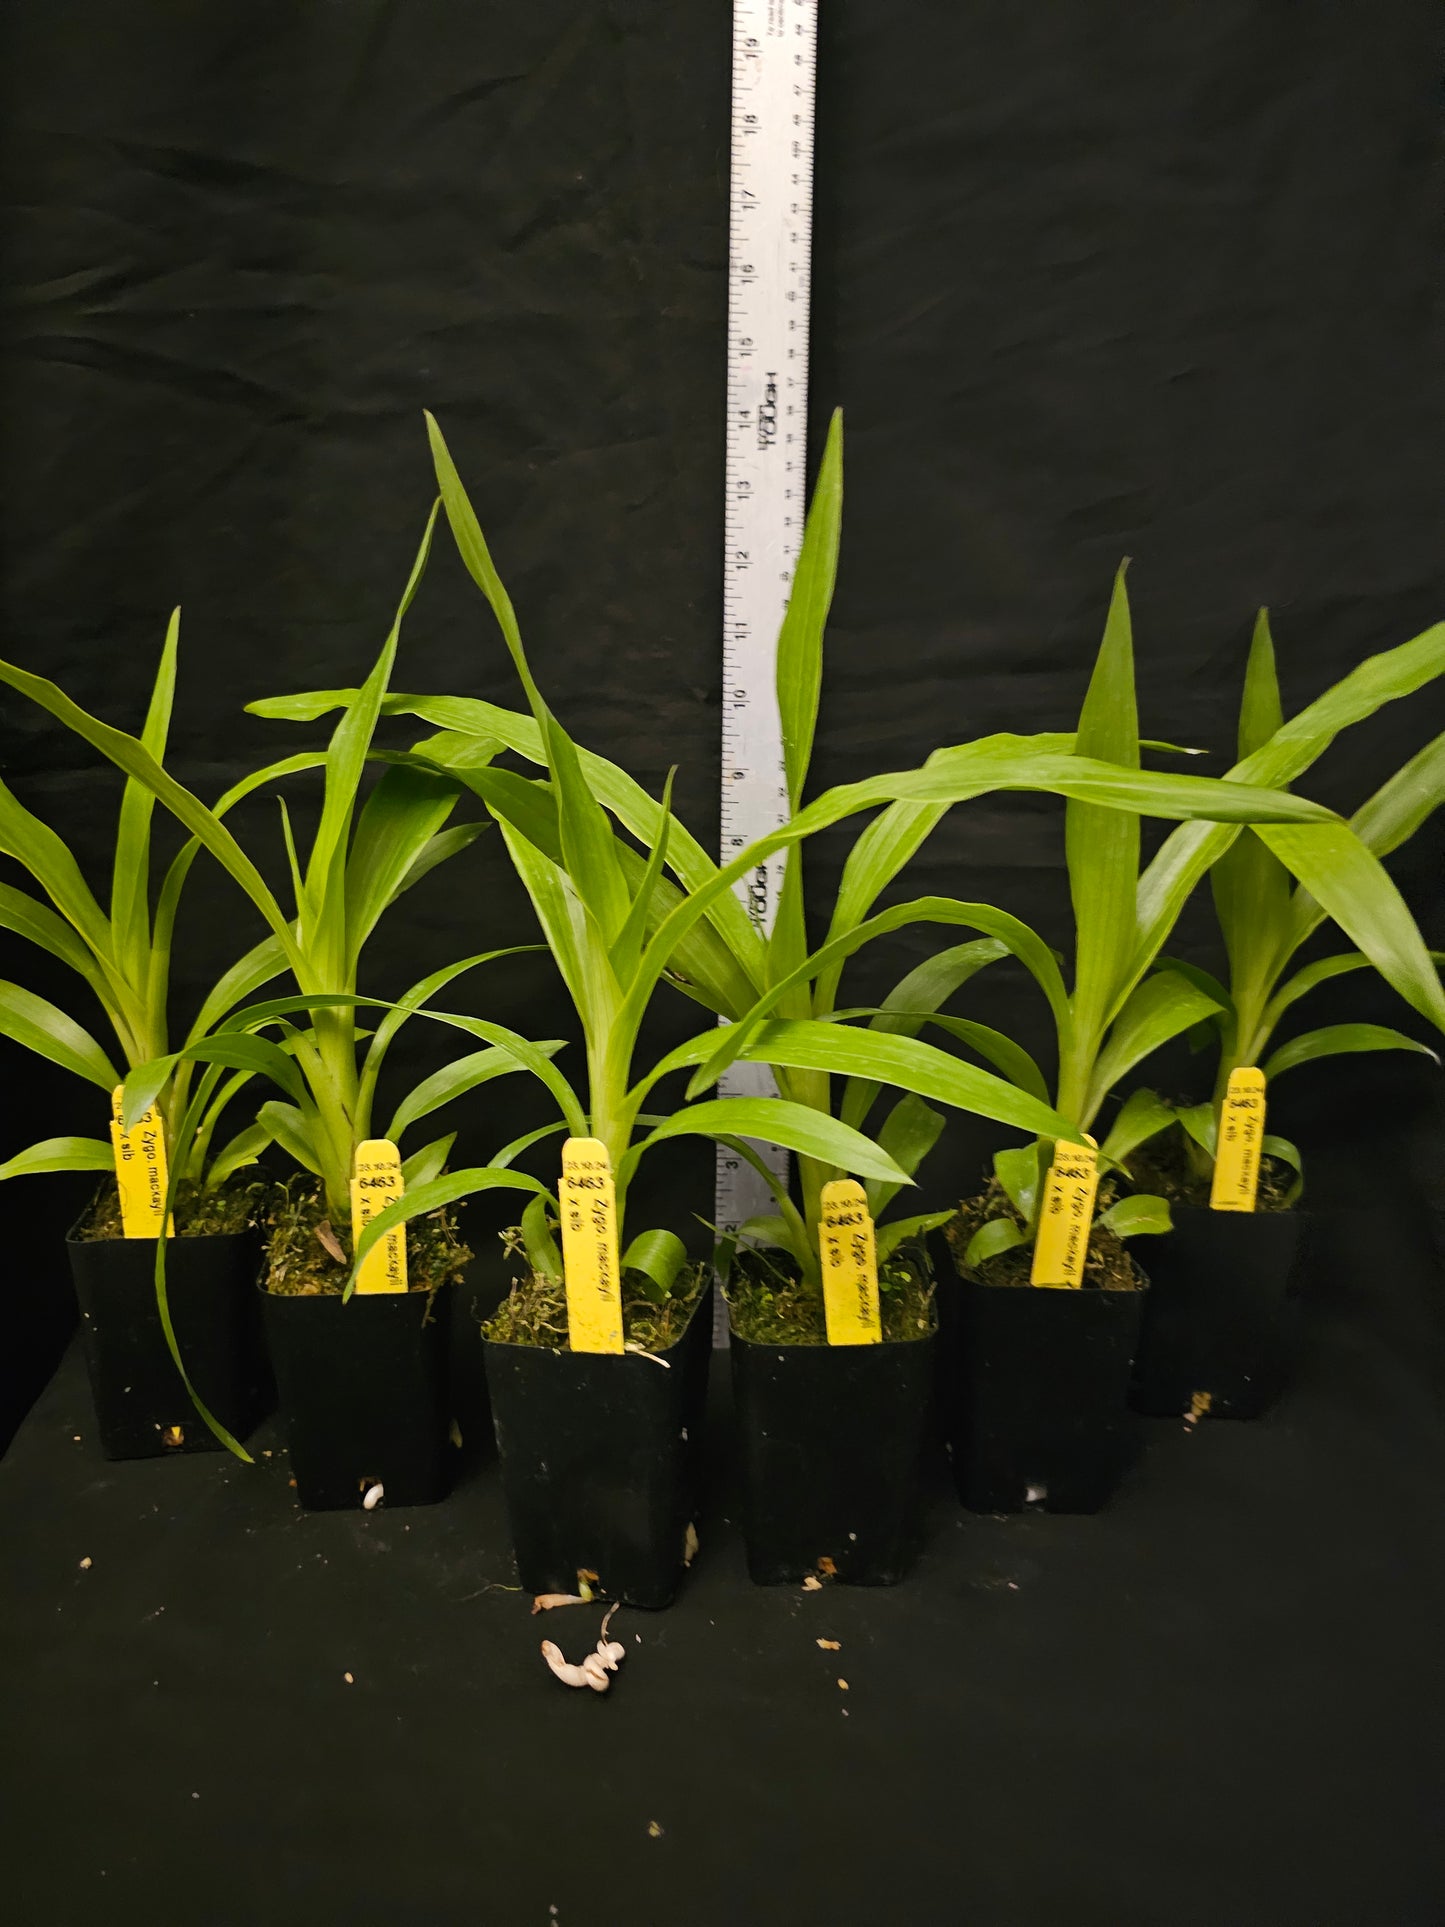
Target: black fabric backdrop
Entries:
(1089, 281)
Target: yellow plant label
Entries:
(1241, 1139)
(589, 1247)
(850, 1265)
(1066, 1216)
(140, 1171)
(376, 1183)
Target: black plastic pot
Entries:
(1222, 1318)
(142, 1407)
(832, 1440)
(364, 1394)
(601, 1461)
(1042, 1397)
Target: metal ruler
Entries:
(769, 264)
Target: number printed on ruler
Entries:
(765, 500)
(765, 488)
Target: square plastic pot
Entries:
(601, 1461)
(1041, 1414)
(1223, 1314)
(832, 1440)
(364, 1394)
(142, 1407)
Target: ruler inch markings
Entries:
(770, 206)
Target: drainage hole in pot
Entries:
(173, 1436)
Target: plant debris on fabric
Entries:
(1107, 1264)
(308, 1257)
(772, 1305)
(234, 1206)
(535, 1310)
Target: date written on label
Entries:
(847, 1248)
(376, 1182)
(589, 1247)
(1241, 1140)
(1066, 1216)
(140, 1171)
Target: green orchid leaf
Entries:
(1142, 1115)
(416, 1203)
(1335, 1040)
(456, 1079)
(45, 857)
(346, 757)
(1388, 819)
(1202, 980)
(627, 948)
(1103, 844)
(1021, 1172)
(400, 819)
(60, 1154)
(1251, 887)
(41, 1027)
(1188, 852)
(658, 1256)
(130, 885)
(294, 1130)
(1287, 1153)
(908, 1065)
(1201, 1124)
(244, 1149)
(260, 965)
(992, 1239)
(234, 1049)
(1018, 939)
(39, 924)
(1160, 1008)
(1136, 1216)
(1353, 887)
(1002, 1052)
(926, 988)
(909, 1133)
(543, 1255)
(800, 640)
(412, 1001)
(427, 1163)
(796, 1127)
(1306, 980)
(133, 759)
(766, 1230)
(509, 1153)
(888, 1237)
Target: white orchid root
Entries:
(596, 1669)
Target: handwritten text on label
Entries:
(1241, 1138)
(1066, 1216)
(376, 1184)
(850, 1266)
(589, 1247)
(140, 1171)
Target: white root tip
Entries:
(570, 1675)
(374, 1496)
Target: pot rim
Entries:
(621, 1358)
